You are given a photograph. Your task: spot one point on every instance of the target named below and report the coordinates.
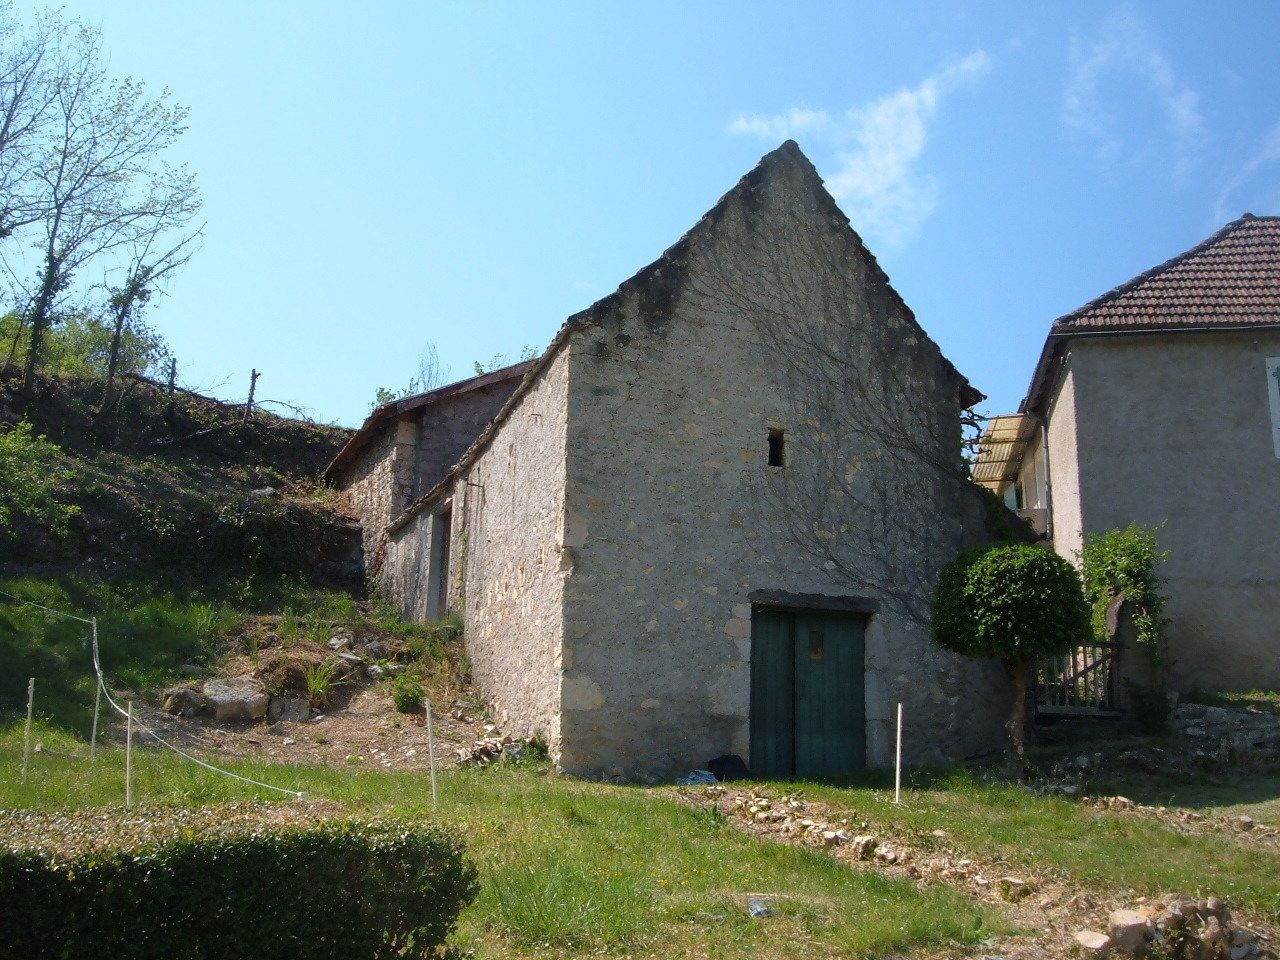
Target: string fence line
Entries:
(102, 689)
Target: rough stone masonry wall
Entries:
(671, 524)
(506, 577)
(380, 483)
(450, 425)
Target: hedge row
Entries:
(333, 889)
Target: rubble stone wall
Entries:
(674, 518)
(505, 559)
(380, 482)
(450, 425)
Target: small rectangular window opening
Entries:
(775, 447)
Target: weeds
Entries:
(406, 692)
(321, 679)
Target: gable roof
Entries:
(656, 283)
(370, 429)
(1229, 281)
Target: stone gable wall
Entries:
(450, 426)
(672, 523)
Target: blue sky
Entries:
(381, 176)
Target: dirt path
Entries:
(1048, 905)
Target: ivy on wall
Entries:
(1123, 562)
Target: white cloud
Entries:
(1103, 72)
(876, 146)
(793, 123)
(1269, 193)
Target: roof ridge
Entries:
(665, 272)
(1134, 282)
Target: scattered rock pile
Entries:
(1178, 928)
(852, 840)
(492, 748)
(278, 689)
(1250, 738)
(1188, 821)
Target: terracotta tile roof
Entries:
(1230, 280)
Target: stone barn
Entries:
(709, 517)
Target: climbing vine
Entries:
(1123, 562)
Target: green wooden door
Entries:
(772, 693)
(806, 694)
(829, 736)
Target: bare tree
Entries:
(431, 372)
(26, 98)
(98, 180)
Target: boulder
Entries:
(295, 709)
(183, 701)
(1092, 943)
(239, 698)
(730, 766)
(1129, 930)
(1215, 941)
(864, 847)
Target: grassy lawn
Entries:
(1099, 850)
(567, 867)
(1258, 796)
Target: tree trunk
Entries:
(113, 360)
(39, 324)
(1020, 675)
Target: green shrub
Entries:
(334, 889)
(1123, 562)
(32, 480)
(1014, 603)
(406, 692)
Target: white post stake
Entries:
(26, 736)
(897, 766)
(97, 707)
(431, 749)
(97, 693)
(128, 758)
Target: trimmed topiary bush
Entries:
(1015, 603)
(338, 888)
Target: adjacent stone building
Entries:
(1159, 403)
(406, 447)
(708, 519)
